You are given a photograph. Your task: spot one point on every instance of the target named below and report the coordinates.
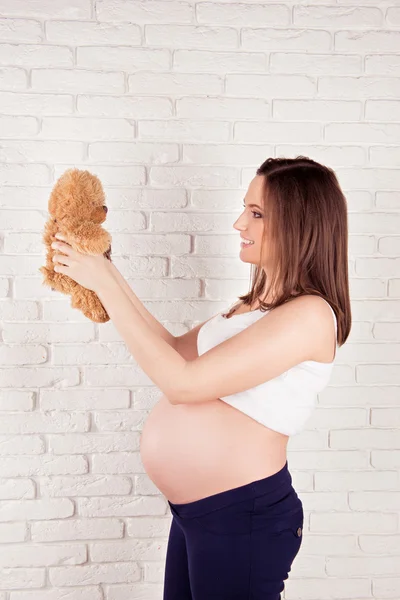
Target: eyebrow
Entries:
(254, 205)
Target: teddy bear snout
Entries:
(106, 209)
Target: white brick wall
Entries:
(174, 104)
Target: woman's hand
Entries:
(91, 271)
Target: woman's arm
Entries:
(152, 321)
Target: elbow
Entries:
(173, 400)
(188, 398)
(180, 392)
(175, 397)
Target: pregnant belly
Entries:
(194, 451)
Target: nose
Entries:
(106, 209)
(239, 226)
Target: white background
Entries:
(174, 105)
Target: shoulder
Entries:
(317, 324)
(314, 309)
(309, 303)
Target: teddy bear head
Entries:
(80, 194)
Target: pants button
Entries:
(299, 531)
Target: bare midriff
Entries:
(194, 451)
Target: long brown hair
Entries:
(305, 216)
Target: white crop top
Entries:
(283, 403)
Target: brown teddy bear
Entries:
(77, 208)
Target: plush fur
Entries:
(77, 209)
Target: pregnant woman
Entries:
(237, 386)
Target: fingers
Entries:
(61, 246)
(61, 239)
(58, 258)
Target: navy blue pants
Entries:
(235, 545)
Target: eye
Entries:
(259, 216)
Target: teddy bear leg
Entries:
(56, 282)
(59, 281)
(89, 304)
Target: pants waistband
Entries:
(274, 486)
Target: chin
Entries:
(249, 260)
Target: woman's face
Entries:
(250, 224)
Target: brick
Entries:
(362, 566)
(377, 500)
(86, 593)
(353, 522)
(176, 84)
(317, 110)
(72, 9)
(337, 16)
(135, 107)
(326, 588)
(41, 509)
(126, 592)
(13, 532)
(82, 33)
(50, 422)
(152, 12)
(40, 151)
(20, 30)
(363, 41)
(12, 579)
(31, 55)
(44, 464)
(116, 462)
(34, 377)
(16, 489)
(189, 36)
(84, 399)
(14, 356)
(30, 104)
(124, 58)
(95, 354)
(386, 587)
(359, 439)
(135, 550)
(269, 39)
(133, 152)
(129, 420)
(94, 574)
(355, 480)
(76, 80)
(93, 442)
(85, 485)
(118, 506)
(46, 333)
(13, 78)
(33, 555)
(234, 15)
(13, 174)
(15, 400)
(359, 87)
(219, 62)
(73, 128)
(21, 444)
(113, 175)
(276, 132)
(76, 529)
